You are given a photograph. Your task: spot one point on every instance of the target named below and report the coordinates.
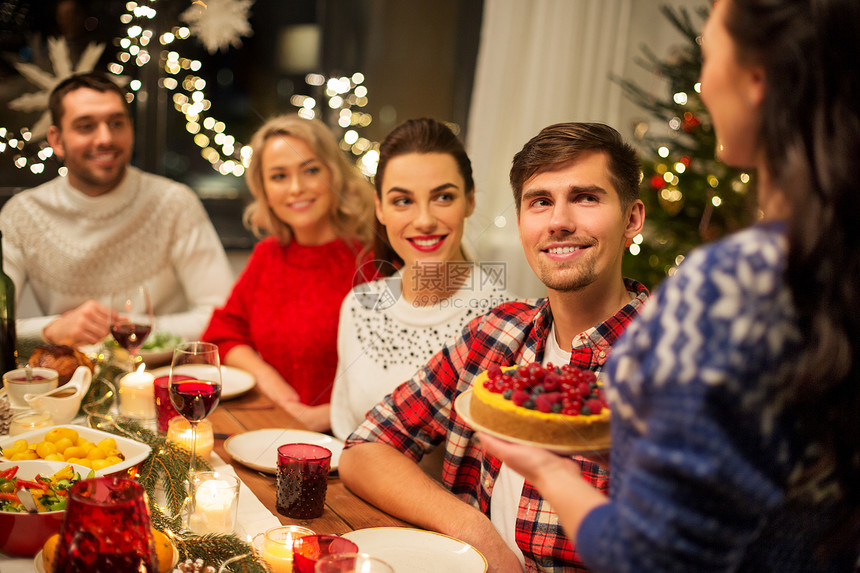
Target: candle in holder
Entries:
(137, 394)
(29, 420)
(215, 498)
(276, 546)
(179, 432)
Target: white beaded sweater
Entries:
(149, 230)
(383, 339)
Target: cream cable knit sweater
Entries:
(150, 230)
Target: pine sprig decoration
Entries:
(164, 475)
(166, 469)
(219, 549)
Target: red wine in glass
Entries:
(131, 318)
(195, 399)
(129, 335)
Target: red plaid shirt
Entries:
(419, 414)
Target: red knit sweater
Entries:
(285, 305)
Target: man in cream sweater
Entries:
(107, 226)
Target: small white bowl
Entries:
(64, 402)
(17, 385)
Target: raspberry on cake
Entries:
(560, 406)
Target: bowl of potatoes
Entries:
(105, 453)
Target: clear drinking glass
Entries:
(195, 386)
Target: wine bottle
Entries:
(8, 352)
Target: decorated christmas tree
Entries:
(690, 197)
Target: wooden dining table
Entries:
(344, 511)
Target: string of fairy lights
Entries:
(140, 45)
(669, 173)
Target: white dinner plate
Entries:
(461, 406)
(258, 449)
(234, 381)
(418, 551)
(37, 563)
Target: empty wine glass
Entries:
(195, 386)
(131, 319)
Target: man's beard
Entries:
(572, 279)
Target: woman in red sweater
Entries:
(316, 212)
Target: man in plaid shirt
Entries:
(576, 188)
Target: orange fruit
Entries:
(49, 552)
(163, 551)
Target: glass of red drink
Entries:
(310, 548)
(195, 386)
(131, 319)
(106, 528)
(302, 480)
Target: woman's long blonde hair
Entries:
(352, 212)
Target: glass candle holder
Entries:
(302, 480)
(213, 503)
(91, 538)
(309, 549)
(180, 433)
(164, 410)
(276, 546)
(29, 420)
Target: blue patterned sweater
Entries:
(702, 450)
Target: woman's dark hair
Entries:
(421, 135)
(809, 51)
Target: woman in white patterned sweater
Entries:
(430, 290)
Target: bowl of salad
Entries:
(23, 533)
(158, 348)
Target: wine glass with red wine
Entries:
(131, 319)
(195, 386)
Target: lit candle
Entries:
(215, 504)
(137, 394)
(179, 432)
(277, 549)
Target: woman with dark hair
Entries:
(735, 396)
(390, 327)
(315, 211)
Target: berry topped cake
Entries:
(562, 406)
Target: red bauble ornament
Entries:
(690, 123)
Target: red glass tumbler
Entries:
(106, 528)
(308, 549)
(302, 480)
(164, 410)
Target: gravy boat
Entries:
(63, 402)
